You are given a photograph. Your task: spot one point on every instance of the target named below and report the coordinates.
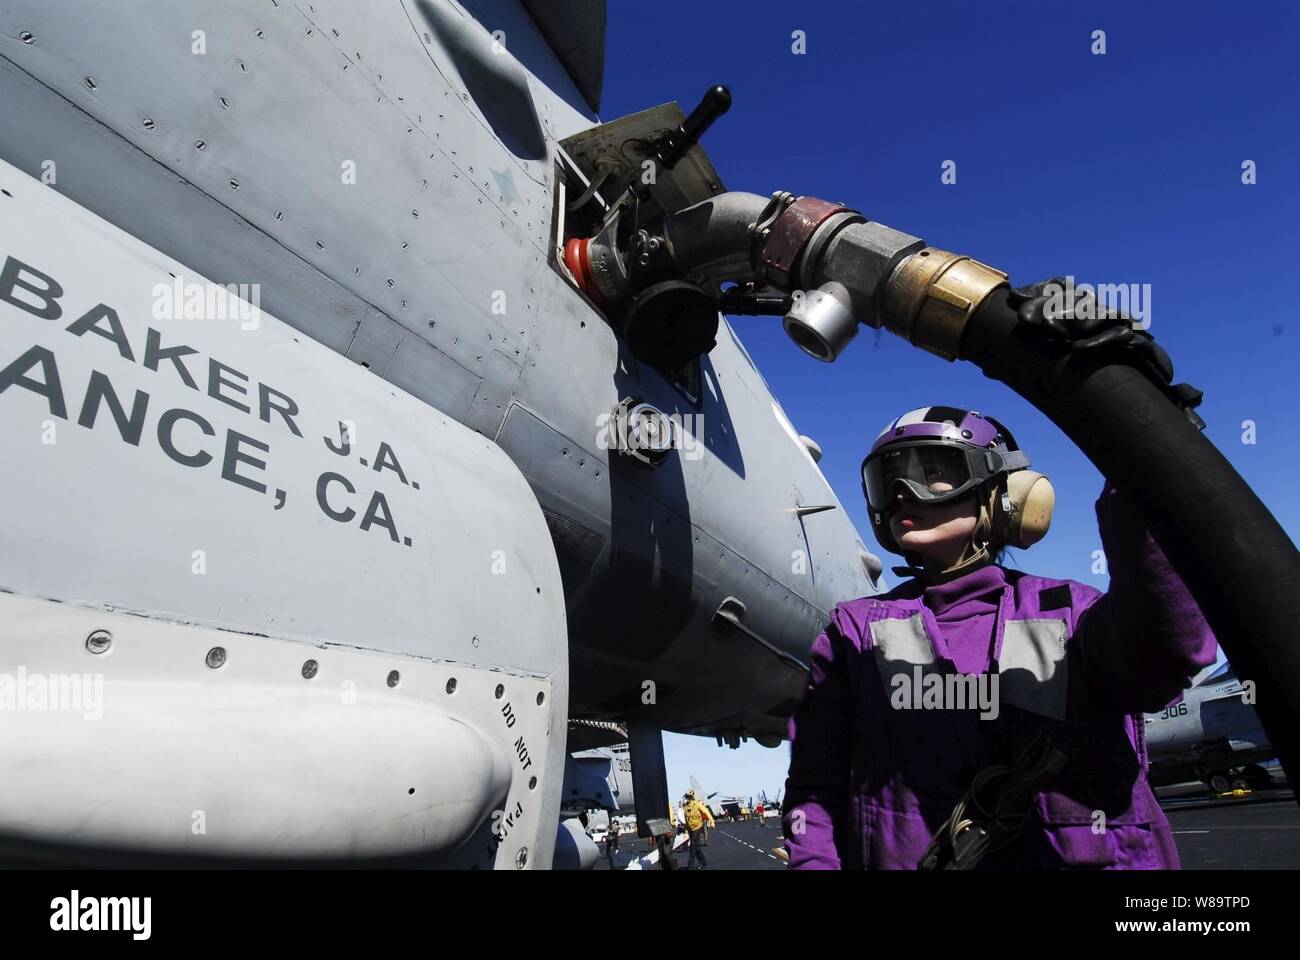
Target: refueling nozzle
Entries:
(821, 321)
(822, 266)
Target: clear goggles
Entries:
(927, 471)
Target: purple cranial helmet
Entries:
(935, 455)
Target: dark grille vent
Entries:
(576, 547)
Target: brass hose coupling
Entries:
(932, 294)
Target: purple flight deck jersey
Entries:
(874, 774)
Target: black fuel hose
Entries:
(1237, 561)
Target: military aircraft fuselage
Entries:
(383, 177)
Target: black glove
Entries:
(1086, 325)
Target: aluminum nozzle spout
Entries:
(821, 321)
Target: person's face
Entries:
(938, 533)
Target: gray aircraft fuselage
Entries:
(386, 174)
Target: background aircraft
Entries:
(1213, 735)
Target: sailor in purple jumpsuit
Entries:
(876, 768)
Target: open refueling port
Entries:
(618, 181)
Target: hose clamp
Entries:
(789, 235)
(762, 228)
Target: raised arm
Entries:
(1142, 641)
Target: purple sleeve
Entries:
(821, 733)
(1141, 642)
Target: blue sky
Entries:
(1117, 168)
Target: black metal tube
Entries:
(1235, 558)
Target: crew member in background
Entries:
(697, 815)
(611, 841)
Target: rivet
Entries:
(394, 678)
(90, 83)
(148, 123)
(234, 184)
(216, 657)
(501, 691)
(521, 858)
(541, 698)
(99, 642)
(200, 145)
(532, 784)
(451, 685)
(26, 36)
(309, 669)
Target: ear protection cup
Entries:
(1031, 498)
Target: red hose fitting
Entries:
(577, 259)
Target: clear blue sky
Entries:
(1119, 168)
